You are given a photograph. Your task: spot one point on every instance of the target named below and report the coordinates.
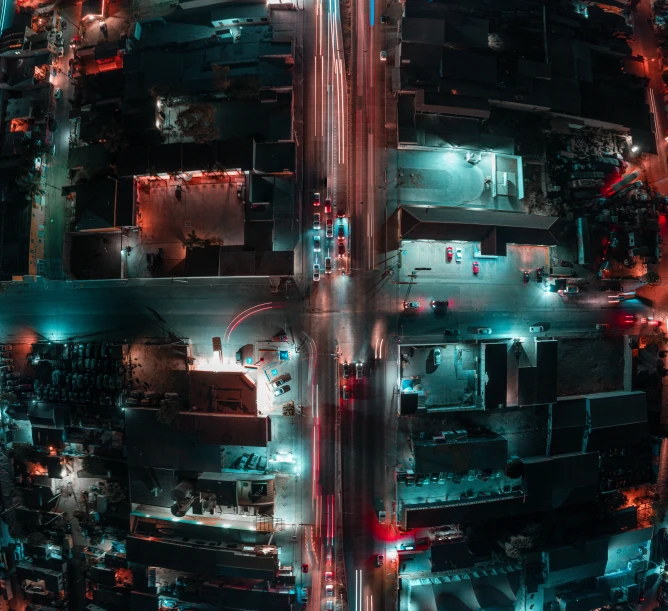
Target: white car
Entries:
(483, 331)
(316, 221)
(536, 329)
(316, 272)
(383, 56)
(316, 243)
(458, 255)
(329, 591)
(437, 356)
(382, 516)
(570, 289)
(57, 93)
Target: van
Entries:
(217, 349)
(536, 329)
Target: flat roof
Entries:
(222, 392)
(476, 453)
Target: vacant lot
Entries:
(590, 365)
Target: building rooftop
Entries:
(222, 392)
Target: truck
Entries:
(561, 272)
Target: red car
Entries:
(448, 254)
(342, 249)
(304, 568)
(328, 206)
(629, 319)
(476, 268)
(316, 199)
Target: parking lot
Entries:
(416, 256)
(211, 210)
(451, 384)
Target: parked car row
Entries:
(149, 397)
(409, 478)
(78, 381)
(81, 365)
(107, 398)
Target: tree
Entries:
(514, 469)
(194, 241)
(652, 277)
(518, 545)
(115, 493)
(220, 79)
(244, 88)
(198, 121)
(168, 412)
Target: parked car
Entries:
(448, 254)
(57, 93)
(476, 268)
(383, 56)
(437, 356)
(382, 516)
(380, 560)
(278, 383)
(483, 331)
(539, 274)
(316, 221)
(536, 329)
(452, 332)
(316, 199)
(328, 206)
(411, 305)
(526, 276)
(342, 249)
(458, 255)
(279, 338)
(359, 370)
(571, 289)
(345, 393)
(281, 391)
(346, 370)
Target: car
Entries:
(539, 274)
(476, 268)
(439, 305)
(329, 231)
(448, 254)
(383, 18)
(329, 605)
(328, 206)
(217, 349)
(328, 576)
(458, 255)
(452, 332)
(359, 370)
(382, 516)
(341, 232)
(281, 391)
(329, 590)
(483, 331)
(279, 338)
(316, 221)
(602, 327)
(380, 560)
(346, 370)
(526, 276)
(345, 393)
(411, 305)
(305, 568)
(571, 289)
(328, 265)
(278, 383)
(316, 243)
(316, 199)
(383, 56)
(536, 329)
(304, 594)
(651, 322)
(57, 93)
(342, 250)
(316, 272)
(437, 356)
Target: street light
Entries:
(634, 148)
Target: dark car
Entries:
(452, 332)
(526, 276)
(539, 274)
(346, 370)
(614, 287)
(439, 305)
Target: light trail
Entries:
(247, 315)
(241, 314)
